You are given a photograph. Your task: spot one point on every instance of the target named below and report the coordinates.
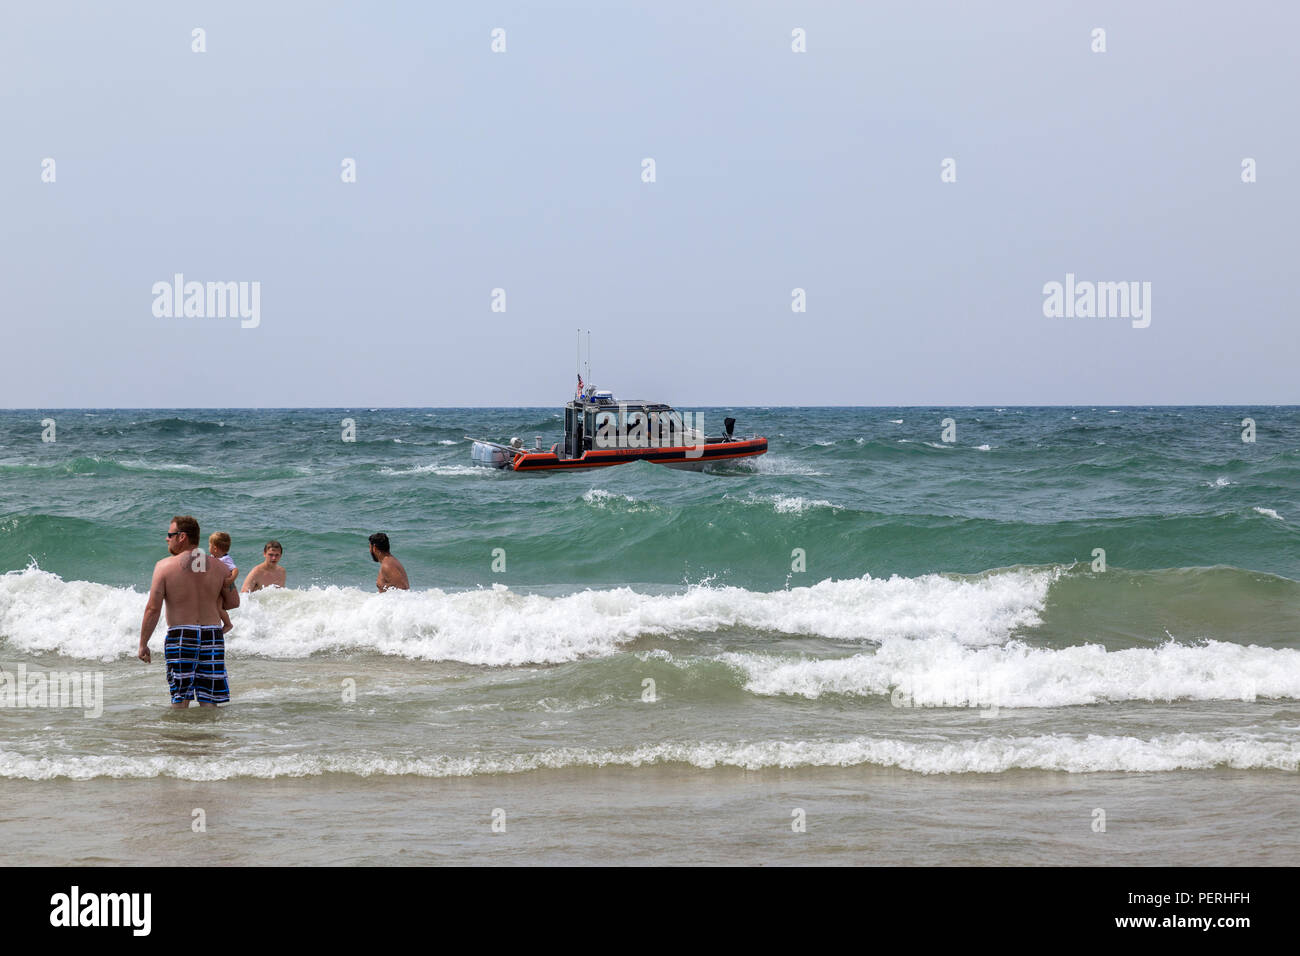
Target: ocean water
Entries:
(869, 645)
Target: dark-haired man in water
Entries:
(194, 587)
(392, 576)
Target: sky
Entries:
(523, 170)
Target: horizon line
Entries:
(364, 407)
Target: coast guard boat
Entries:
(600, 431)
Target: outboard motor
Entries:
(482, 453)
(728, 425)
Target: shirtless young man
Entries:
(392, 576)
(195, 588)
(268, 574)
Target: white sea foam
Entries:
(448, 441)
(1220, 482)
(39, 612)
(446, 470)
(1269, 513)
(790, 504)
(1070, 753)
(796, 504)
(770, 464)
(942, 672)
(139, 464)
(599, 497)
(609, 500)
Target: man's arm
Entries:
(152, 609)
(250, 580)
(229, 596)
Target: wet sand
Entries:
(661, 815)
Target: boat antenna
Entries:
(589, 355)
(577, 360)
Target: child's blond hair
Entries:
(219, 541)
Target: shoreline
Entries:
(658, 815)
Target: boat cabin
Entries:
(597, 421)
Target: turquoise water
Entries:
(867, 595)
(862, 491)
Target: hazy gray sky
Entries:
(522, 170)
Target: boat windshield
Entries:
(667, 429)
(600, 425)
(637, 426)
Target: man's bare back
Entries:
(192, 586)
(392, 576)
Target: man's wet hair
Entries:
(380, 541)
(188, 525)
(272, 544)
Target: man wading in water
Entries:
(392, 576)
(268, 574)
(194, 587)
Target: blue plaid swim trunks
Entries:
(196, 664)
